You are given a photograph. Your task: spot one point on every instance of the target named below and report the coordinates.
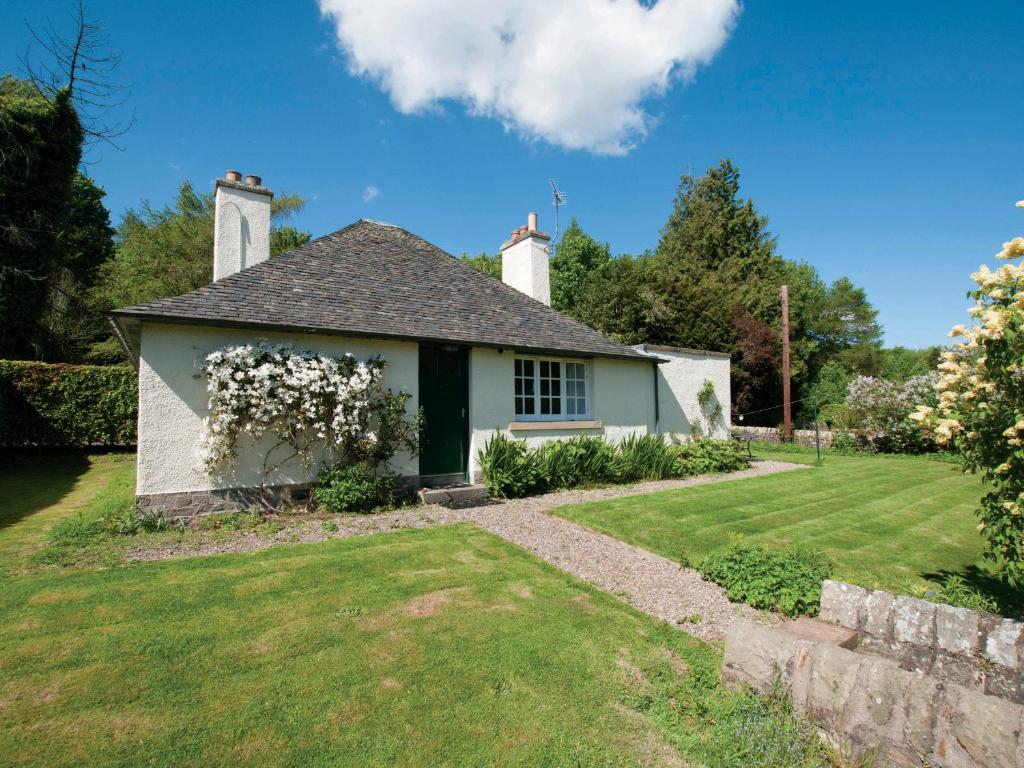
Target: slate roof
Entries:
(374, 279)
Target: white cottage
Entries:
(477, 354)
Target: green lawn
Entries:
(36, 493)
(444, 646)
(887, 521)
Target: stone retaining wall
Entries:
(970, 648)
(925, 684)
(868, 703)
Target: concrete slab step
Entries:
(455, 496)
(811, 629)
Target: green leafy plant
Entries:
(509, 468)
(703, 457)
(844, 444)
(786, 581)
(764, 731)
(230, 521)
(582, 460)
(644, 457)
(954, 590)
(710, 410)
(354, 488)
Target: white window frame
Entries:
(563, 416)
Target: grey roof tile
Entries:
(374, 279)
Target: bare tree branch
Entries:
(82, 64)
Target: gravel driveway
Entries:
(649, 582)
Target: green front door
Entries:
(444, 397)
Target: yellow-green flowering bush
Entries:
(980, 413)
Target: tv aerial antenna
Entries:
(557, 200)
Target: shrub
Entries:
(510, 469)
(884, 407)
(786, 581)
(644, 457)
(844, 444)
(979, 411)
(703, 457)
(67, 405)
(354, 488)
(583, 460)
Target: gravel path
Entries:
(649, 582)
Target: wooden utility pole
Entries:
(787, 409)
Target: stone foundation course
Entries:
(925, 684)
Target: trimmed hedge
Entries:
(67, 405)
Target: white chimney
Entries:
(241, 223)
(524, 261)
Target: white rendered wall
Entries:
(525, 267)
(679, 381)
(622, 399)
(173, 403)
(241, 229)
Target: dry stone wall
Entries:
(805, 437)
(926, 685)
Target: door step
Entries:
(455, 495)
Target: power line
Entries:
(780, 405)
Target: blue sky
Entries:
(882, 140)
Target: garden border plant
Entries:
(980, 408)
(784, 580)
(512, 469)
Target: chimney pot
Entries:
(524, 262)
(241, 224)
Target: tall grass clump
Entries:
(583, 460)
(644, 457)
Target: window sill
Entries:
(527, 426)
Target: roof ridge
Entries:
(377, 279)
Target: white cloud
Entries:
(370, 193)
(572, 72)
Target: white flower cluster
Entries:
(305, 399)
(980, 410)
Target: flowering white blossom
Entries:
(305, 399)
(980, 410)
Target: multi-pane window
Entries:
(525, 389)
(550, 389)
(575, 389)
